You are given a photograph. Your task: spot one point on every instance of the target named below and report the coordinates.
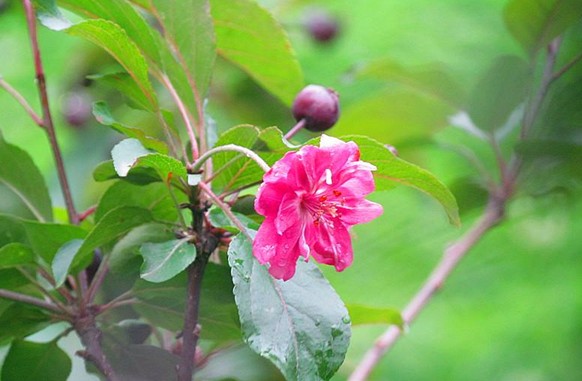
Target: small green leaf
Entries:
(19, 320)
(219, 219)
(125, 153)
(250, 37)
(106, 171)
(103, 115)
(392, 171)
(21, 177)
(15, 254)
(232, 169)
(163, 261)
(500, 90)
(431, 79)
(153, 197)
(373, 315)
(27, 361)
(111, 226)
(301, 325)
(111, 37)
(534, 23)
(63, 260)
(165, 166)
(50, 15)
(47, 239)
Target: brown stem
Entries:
(47, 121)
(190, 332)
(451, 257)
(17, 297)
(90, 335)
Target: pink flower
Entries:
(310, 199)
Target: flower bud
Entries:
(318, 106)
(322, 27)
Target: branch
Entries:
(233, 148)
(90, 336)
(20, 99)
(22, 298)
(47, 121)
(452, 256)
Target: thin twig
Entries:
(185, 116)
(97, 281)
(566, 67)
(20, 99)
(230, 148)
(225, 208)
(47, 120)
(40, 288)
(450, 259)
(22, 298)
(295, 129)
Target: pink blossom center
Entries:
(323, 207)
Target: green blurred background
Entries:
(513, 308)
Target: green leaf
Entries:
(431, 79)
(395, 116)
(111, 226)
(163, 304)
(232, 169)
(153, 197)
(20, 320)
(144, 363)
(124, 15)
(103, 115)
(392, 171)
(219, 219)
(113, 39)
(250, 37)
(125, 259)
(300, 325)
(47, 239)
(12, 279)
(106, 171)
(15, 254)
(535, 23)
(188, 29)
(125, 85)
(63, 260)
(163, 261)
(20, 176)
(165, 166)
(125, 153)
(130, 154)
(500, 90)
(27, 361)
(50, 15)
(373, 315)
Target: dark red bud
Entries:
(322, 26)
(77, 108)
(318, 106)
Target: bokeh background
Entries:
(513, 308)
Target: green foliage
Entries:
(18, 320)
(392, 171)
(144, 362)
(21, 177)
(300, 325)
(63, 259)
(234, 170)
(260, 47)
(534, 23)
(15, 254)
(27, 361)
(163, 261)
(114, 39)
(500, 90)
(103, 115)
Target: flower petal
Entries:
(288, 213)
(265, 242)
(333, 246)
(360, 212)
